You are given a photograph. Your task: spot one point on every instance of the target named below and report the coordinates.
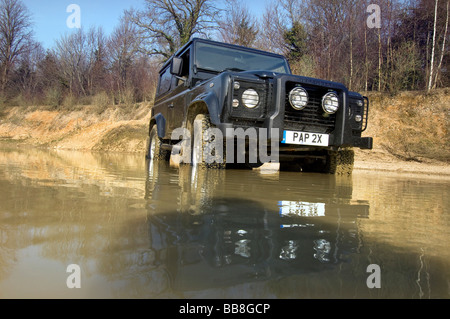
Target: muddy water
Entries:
(138, 231)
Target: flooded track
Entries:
(154, 231)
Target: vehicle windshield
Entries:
(218, 59)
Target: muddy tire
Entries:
(154, 149)
(202, 151)
(339, 162)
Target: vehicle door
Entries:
(161, 105)
(178, 98)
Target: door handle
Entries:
(171, 106)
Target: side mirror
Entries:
(177, 66)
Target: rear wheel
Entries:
(154, 146)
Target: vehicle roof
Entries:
(229, 45)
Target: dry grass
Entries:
(100, 102)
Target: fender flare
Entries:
(212, 104)
(160, 122)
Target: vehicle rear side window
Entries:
(165, 81)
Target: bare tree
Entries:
(405, 60)
(77, 54)
(416, 24)
(273, 24)
(350, 6)
(15, 35)
(50, 79)
(430, 82)
(123, 47)
(238, 26)
(165, 25)
(325, 22)
(26, 76)
(71, 58)
(96, 59)
(279, 18)
(438, 69)
(145, 74)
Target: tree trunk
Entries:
(329, 60)
(380, 60)
(351, 62)
(442, 49)
(4, 77)
(430, 81)
(366, 84)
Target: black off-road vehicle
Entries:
(308, 124)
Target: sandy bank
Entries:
(117, 131)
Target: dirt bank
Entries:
(83, 129)
(379, 161)
(410, 131)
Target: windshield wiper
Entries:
(232, 69)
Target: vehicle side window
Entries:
(165, 81)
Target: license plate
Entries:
(303, 209)
(305, 138)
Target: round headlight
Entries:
(298, 98)
(250, 98)
(330, 103)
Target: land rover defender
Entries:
(309, 125)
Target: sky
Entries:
(50, 16)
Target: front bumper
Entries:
(268, 133)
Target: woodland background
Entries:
(328, 39)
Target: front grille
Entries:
(312, 118)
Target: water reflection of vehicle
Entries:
(207, 232)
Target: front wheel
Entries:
(336, 163)
(340, 162)
(207, 148)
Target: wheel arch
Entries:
(196, 107)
